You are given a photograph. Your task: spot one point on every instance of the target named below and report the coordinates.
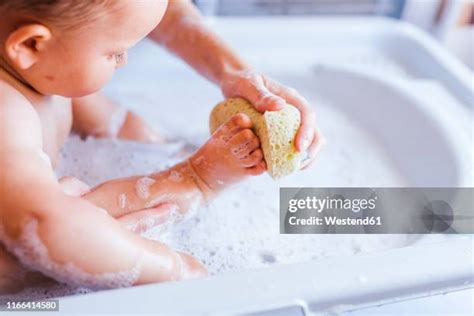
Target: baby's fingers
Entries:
(258, 169)
(73, 186)
(253, 159)
(305, 134)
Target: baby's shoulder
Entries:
(12, 101)
(20, 124)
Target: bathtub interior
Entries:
(373, 140)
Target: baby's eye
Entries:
(120, 58)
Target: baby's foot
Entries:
(230, 155)
(135, 128)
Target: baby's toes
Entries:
(260, 168)
(243, 143)
(233, 125)
(253, 159)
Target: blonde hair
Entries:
(62, 13)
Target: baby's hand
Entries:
(267, 94)
(231, 154)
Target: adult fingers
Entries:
(252, 88)
(313, 150)
(305, 134)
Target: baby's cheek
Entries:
(95, 77)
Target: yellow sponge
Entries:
(275, 129)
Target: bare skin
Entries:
(62, 217)
(52, 86)
(97, 116)
(218, 62)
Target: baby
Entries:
(54, 56)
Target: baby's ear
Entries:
(24, 44)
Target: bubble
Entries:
(268, 258)
(122, 200)
(241, 148)
(159, 200)
(225, 221)
(175, 176)
(199, 160)
(148, 222)
(142, 187)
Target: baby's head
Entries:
(69, 47)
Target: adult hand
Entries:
(267, 94)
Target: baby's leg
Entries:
(14, 277)
(230, 155)
(95, 115)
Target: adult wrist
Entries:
(229, 72)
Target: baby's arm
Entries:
(64, 237)
(98, 116)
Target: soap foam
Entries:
(199, 160)
(33, 254)
(239, 230)
(236, 151)
(122, 200)
(175, 176)
(142, 187)
(146, 223)
(163, 198)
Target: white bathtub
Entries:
(390, 80)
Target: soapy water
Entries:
(122, 200)
(142, 187)
(239, 230)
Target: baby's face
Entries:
(80, 61)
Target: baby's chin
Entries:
(70, 85)
(66, 91)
